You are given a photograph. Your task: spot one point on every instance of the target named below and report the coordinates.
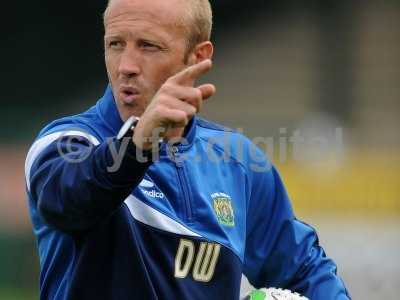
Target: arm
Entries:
(283, 252)
(74, 196)
(70, 184)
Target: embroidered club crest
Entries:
(223, 209)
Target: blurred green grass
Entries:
(17, 294)
(19, 272)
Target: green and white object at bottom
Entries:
(273, 294)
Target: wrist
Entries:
(142, 143)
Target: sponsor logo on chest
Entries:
(148, 188)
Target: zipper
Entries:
(183, 184)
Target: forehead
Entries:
(160, 12)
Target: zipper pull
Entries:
(175, 154)
(175, 150)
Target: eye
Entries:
(149, 46)
(116, 45)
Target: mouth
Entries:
(129, 94)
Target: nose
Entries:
(129, 65)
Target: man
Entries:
(126, 218)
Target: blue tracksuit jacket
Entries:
(184, 227)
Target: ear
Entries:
(202, 51)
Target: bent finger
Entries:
(207, 90)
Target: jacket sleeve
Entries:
(282, 251)
(70, 182)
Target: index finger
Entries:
(189, 75)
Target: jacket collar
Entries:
(108, 111)
(110, 116)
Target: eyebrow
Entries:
(111, 36)
(145, 35)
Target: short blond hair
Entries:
(199, 20)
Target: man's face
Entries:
(144, 46)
